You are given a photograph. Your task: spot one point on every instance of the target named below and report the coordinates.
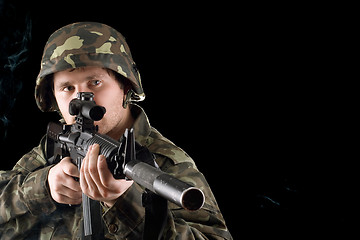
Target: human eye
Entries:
(95, 83)
(67, 88)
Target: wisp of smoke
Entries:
(14, 41)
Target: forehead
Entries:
(81, 74)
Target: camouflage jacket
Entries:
(28, 212)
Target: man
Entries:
(42, 201)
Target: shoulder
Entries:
(33, 160)
(160, 145)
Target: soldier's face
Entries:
(107, 93)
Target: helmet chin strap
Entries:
(127, 98)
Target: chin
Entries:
(102, 129)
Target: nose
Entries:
(80, 88)
(83, 88)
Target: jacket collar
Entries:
(142, 128)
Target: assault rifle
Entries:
(126, 159)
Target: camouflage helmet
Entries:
(85, 44)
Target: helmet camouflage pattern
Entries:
(85, 44)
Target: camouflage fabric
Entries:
(28, 212)
(86, 44)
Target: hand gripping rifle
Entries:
(126, 159)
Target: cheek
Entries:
(113, 107)
(114, 110)
(110, 99)
(64, 109)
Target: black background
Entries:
(240, 88)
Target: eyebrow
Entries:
(62, 84)
(94, 76)
(87, 78)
